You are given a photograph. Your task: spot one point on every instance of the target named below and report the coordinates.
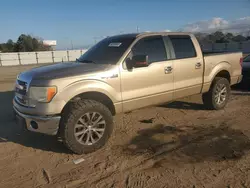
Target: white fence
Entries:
(25, 58)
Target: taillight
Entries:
(241, 61)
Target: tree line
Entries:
(220, 37)
(27, 43)
(24, 43)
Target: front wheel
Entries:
(218, 95)
(86, 126)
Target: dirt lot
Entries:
(174, 145)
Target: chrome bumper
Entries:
(44, 124)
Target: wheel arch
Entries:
(93, 95)
(223, 74)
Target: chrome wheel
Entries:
(220, 94)
(89, 128)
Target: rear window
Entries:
(183, 47)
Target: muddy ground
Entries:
(173, 145)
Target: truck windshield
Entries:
(108, 50)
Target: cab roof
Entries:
(136, 35)
(162, 33)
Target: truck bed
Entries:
(231, 60)
(218, 53)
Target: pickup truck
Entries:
(77, 100)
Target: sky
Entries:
(81, 22)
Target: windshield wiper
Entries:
(85, 61)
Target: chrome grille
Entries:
(21, 92)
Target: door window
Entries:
(153, 47)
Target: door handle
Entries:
(168, 70)
(198, 65)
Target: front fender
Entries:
(84, 86)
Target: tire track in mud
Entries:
(136, 177)
(132, 175)
(136, 180)
(158, 156)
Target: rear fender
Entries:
(214, 70)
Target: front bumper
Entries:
(42, 124)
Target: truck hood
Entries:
(61, 70)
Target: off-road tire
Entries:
(71, 115)
(209, 97)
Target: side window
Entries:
(153, 47)
(183, 47)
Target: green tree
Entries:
(35, 44)
(7, 47)
(211, 38)
(229, 37)
(10, 45)
(24, 43)
(239, 38)
(20, 44)
(219, 37)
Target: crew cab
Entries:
(77, 100)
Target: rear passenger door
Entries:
(187, 66)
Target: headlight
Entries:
(42, 94)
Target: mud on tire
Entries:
(70, 119)
(210, 99)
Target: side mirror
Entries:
(129, 63)
(137, 61)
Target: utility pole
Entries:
(137, 29)
(95, 39)
(71, 44)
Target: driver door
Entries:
(144, 86)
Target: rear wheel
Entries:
(218, 95)
(86, 126)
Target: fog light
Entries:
(34, 124)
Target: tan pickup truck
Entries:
(77, 100)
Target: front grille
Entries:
(22, 83)
(21, 92)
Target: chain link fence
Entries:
(244, 47)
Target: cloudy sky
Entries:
(82, 22)
(217, 23)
